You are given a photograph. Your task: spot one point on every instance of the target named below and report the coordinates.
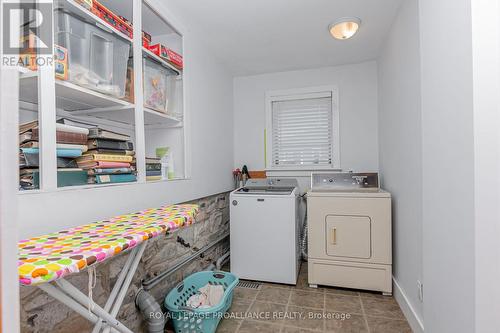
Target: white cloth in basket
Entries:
(207, 297)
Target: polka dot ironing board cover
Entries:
(53, 256)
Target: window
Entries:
(302, 129)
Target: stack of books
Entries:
(153, 169)
(110, 157)
(71, 144)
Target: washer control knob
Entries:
(235, 202)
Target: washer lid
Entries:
(266, 191)
(271, 183)
(269, 186)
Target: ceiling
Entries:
(261, 36)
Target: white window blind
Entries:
(302, 131)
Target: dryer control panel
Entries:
(344, 181)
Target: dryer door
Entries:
(348, 236)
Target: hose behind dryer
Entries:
(303, 236)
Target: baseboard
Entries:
(414, 320)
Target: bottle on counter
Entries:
(171, 171)
(165, 167)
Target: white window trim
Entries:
(303, 93)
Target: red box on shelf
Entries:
(111, 18)
(169, 55)
(119, 22)
(156, 49)
(146, 36)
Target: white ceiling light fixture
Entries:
(344, 28)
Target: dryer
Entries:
(349, 232)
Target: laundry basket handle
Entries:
(186, 308)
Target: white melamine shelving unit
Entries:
(46, 98)
(156, 122)
(69, 96)
(157, 119)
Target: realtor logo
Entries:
(27, 28)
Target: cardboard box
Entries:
(147, 36)
(145, 43)
(129, 86)
(28, 60)
(30, 40)
(111, 18)
(61, 62)
(121, 23)
(167, 54)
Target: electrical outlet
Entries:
(420, 288)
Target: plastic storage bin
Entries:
(97, 59)
(157, 87)
(187, 320)
(175, 105)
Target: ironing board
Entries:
(52, 257)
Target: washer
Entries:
(264, 230)
(349, 232)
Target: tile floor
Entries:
(300, 309)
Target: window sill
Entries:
(310, 168)
(298, 172)
(98, 186)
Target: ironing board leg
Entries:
(121, 287)
(72, 297)
(126, 283)
(68, 301)
(80, 297)
(116, 288)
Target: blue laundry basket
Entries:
(188, 320)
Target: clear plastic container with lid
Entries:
(97, 59)
(157, 85)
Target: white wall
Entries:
(209, 91)
(448, 165)
(460, 108)
(9, 159)
(358, 112)
(486, 62)
(400, 144)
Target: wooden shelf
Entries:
(69, 96)
(160, 60)
(77, 9)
